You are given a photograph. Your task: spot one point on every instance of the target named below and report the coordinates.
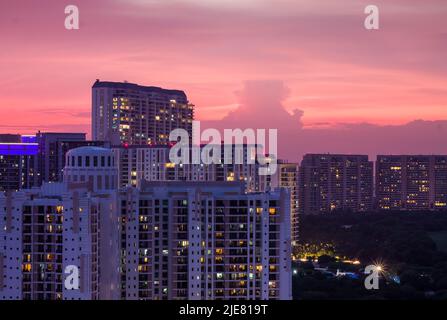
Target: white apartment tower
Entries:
(152, 163)
(286, 176)
(127, 113)
(205, 241)
(44, 231)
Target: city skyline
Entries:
(351, 89)
(190, 150)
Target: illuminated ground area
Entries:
(334, 250)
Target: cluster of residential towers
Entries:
(138, 226)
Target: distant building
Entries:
(75, 223)
(204, 241)
(152, 163)
(53, 147)
(127, 113)
(10, 138)
(17, 163)
(329, 182)
(286, 176)
(30, 160)
(411, 182)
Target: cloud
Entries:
(335, 70)
(61, 111)
(32, 128)
(261, 106)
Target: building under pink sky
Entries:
(306, 67)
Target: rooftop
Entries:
(134, 86)
(89, 150)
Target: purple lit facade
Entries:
(19, 149)
(29, 138)
(17, 163)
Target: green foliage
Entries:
(412, 245)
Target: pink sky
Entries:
(315, 52)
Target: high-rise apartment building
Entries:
(286, 176)
(162, 240)
(51, 159)
(44, 231)
(203, 241)
(335, 182)
(127, 113)
(17, 163)
(152, 163)
(411, 182)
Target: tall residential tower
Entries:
(286, 176)
(127, 113)
(204, 241)
(411, 182)
(60, 226)
(329, 182)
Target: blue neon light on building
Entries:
(19, 149)
(29, 139)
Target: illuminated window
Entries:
(230, 176)
(27, 267)
(184, 243)
(218, 260)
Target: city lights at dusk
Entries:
(217, 159)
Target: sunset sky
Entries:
(308, 67)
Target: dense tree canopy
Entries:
(412, 245)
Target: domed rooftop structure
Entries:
(84, 151)
(92, 165)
